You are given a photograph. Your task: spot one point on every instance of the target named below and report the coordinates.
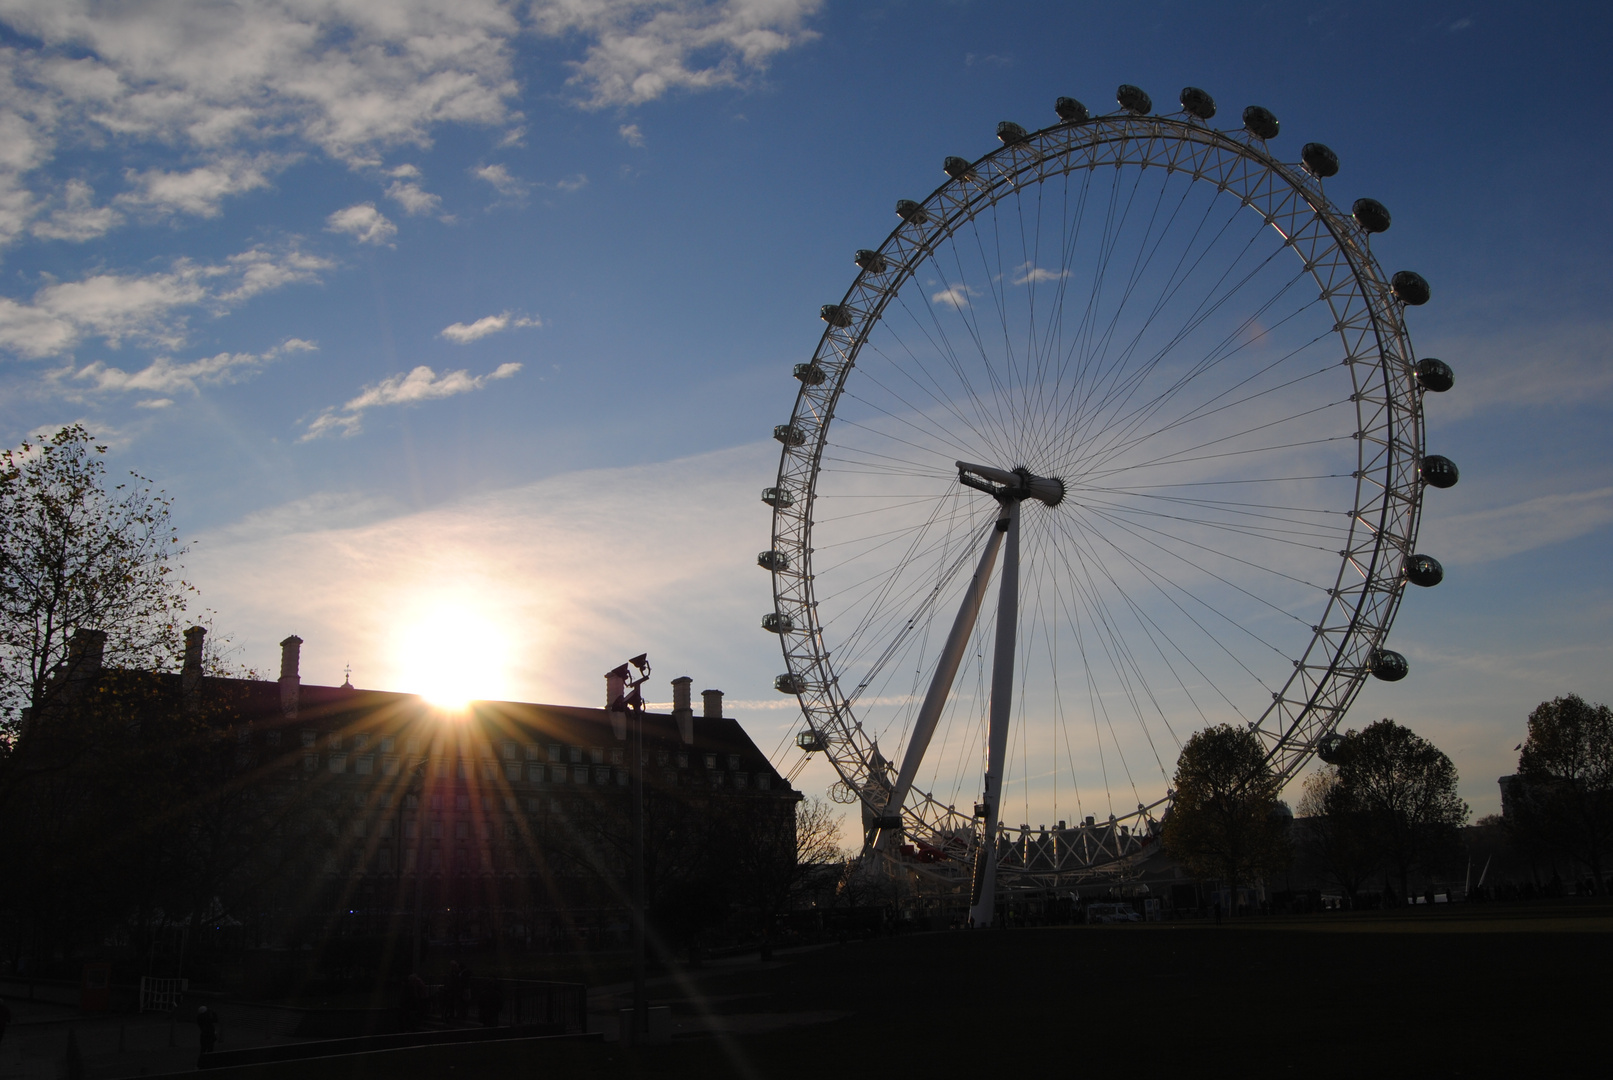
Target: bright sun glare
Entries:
(453, 653)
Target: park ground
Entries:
(1452, 990)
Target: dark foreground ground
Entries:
(1465, 990)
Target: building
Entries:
(507, 820)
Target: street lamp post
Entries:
(417, 785)
(632, 702)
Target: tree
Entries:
(1224, 821)
(76, 555)
(1563, 798)
(1405, 787)
(1340, 831)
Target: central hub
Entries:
(1018, 484)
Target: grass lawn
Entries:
(1459, 990)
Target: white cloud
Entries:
(1035, 275)
(201, 190)
(165, 376)
(421, 384)
(500, 178)
(572, 183)
(413, 198)
(363, 222)
(644, 48)
(464, 333)
(154, 403)
(77, 218)
(1535, 365)
(631, 135)
(145, 307)
(957, 296)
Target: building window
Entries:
(413, 744)
(512, 770)
(533, 752)
(462, 803)
(436, 858)
(411, 829)
(335, 740)
(338, 763)
(462, 769)
(621, 776)
(364, 765)
(310, 762)
(763, 781)
(615, 757)
(739, 779)
(579, 774)
(597, 754)
(733, 761)
(576, 754)
(671, 778)
(386, 860)
(361, 828)
(489, 770)
(436, 802)
(511, 752)
(271, 738)
(361, 742)
(662, 757)
(386, 829)
(711, 761)
(461, 830)
(716, 779)
(557, 753)
(535, 773)
(389, 765)
(683, 761)
(307, 737)
(388, 744)
(602, 775)
(558, 774)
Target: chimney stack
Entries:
(84, 652)
(290, 681)
(681, 712)
(190, 676)
(713, 704)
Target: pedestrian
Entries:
(207, 1025)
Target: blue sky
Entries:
(487, 307)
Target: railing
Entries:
(161, 995)
(517, 1002)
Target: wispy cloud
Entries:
(363, 222)
(1031, 274)
(199, 191)
(145, 307)
(575, 182)
(421, 384)
(77, 218)
(464, 333)
(413, 198)
(631, 134)
(505, 184)
(1496, 532)
(956, 296)
(166, 376)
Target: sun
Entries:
(451, 652)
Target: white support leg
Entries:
(946, 672)
(983, 898)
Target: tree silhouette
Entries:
(1563, 797)
(1224, 822)
(1405, 787)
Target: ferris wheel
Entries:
(1117, 435)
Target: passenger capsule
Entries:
(1196, 102)
(1011, 133)
(1371, 215)
(1328, 747)
(1438, 471)
(811, 742)
(778, 498)
(1410, 288)
(1319, 160)
(774, 623)
(1133, 99)
(811, 374)
(835, 315)
(1260, 122)
(1424, 570)
(958, 168)
(773, 560)
(1388, 665)
(908, 210)
(871, 261)
(1435, 375)
(1071, 111)
(789, 434)
(789, 683)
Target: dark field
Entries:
(1450, 991)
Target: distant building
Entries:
(511, 816)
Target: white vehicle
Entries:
(1111, 913)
